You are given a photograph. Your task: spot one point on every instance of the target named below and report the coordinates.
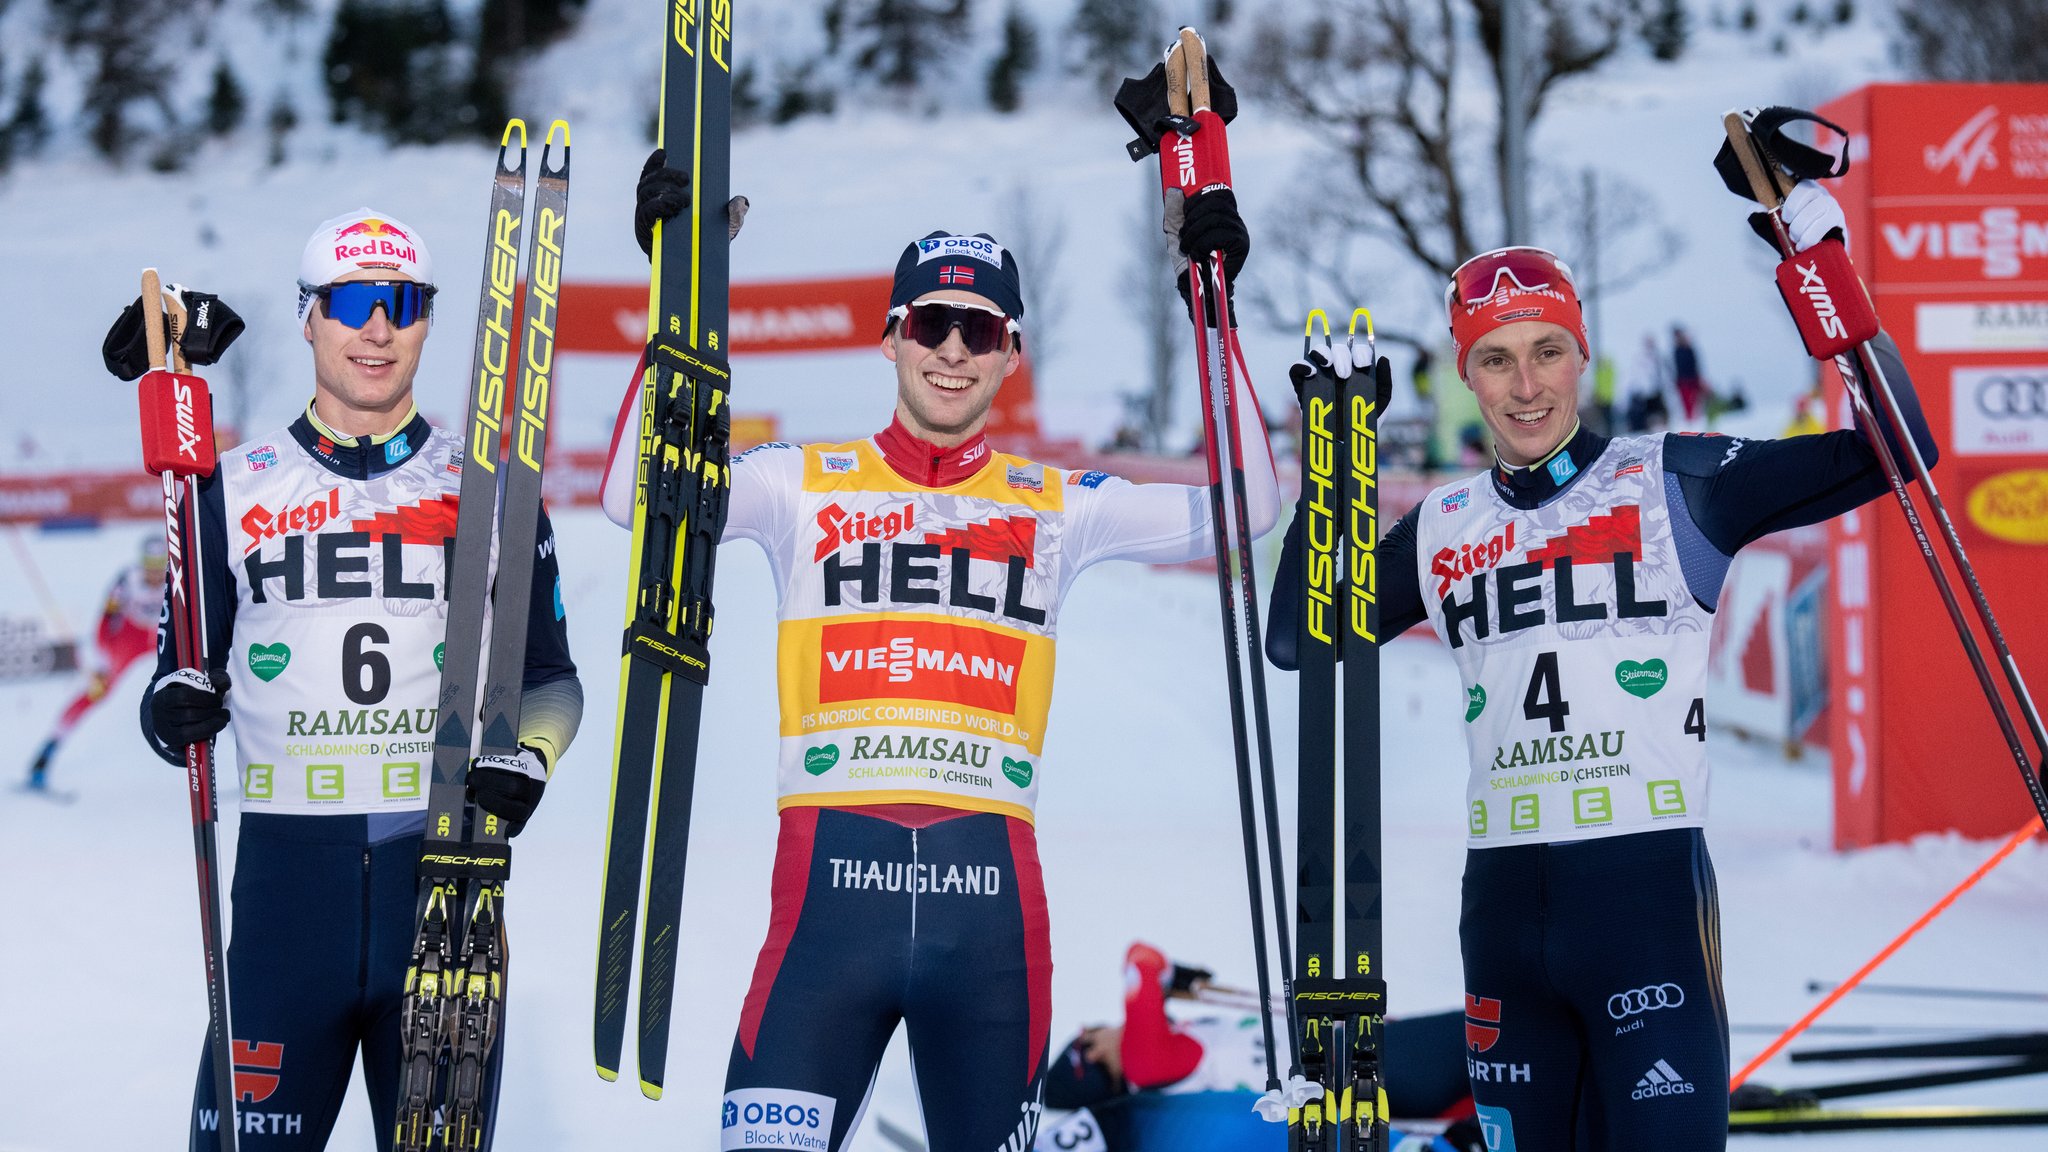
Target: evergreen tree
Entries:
(279, 124)
(897, 41)
(1117, 38)
(1016, 61)
(390, 67)
(28, 127)
(119, 40)
(226, 104)
(1666, 29)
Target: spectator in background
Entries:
(1685, 376)
(1646, 407)
(1599, 415)
(1425, 397)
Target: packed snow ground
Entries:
(102, 1014)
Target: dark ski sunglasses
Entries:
(352, 301)
(982, 329)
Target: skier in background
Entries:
(1134, 1083)
(325, 544)
(919, 574)
(126, 633)
(1574, 582)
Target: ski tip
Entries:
(650, 1090)
(512, 127)
(561, 126)
(1353, 330)
(608, 1075)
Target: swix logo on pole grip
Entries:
(177, 424)
(1828, 302)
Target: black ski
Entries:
(1318, 629)
(455, 987)
(1363, 398)
(1340, 1007)
(680, 498)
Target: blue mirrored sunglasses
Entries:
(352, 301)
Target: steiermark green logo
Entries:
(818, 761)
(268, 661)
(1019, 771)
(1475, 702)
(438, 649)
(1644, 680)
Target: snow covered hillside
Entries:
(101, 1008)
(840, 196)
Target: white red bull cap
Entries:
(364, 239)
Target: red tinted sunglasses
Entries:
(983, 330)
(1477, 279)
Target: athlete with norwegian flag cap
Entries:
(325, 584)
(919, 574)
(1575, 583)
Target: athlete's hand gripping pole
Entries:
(1194, 161)
(177, 445)
(1823, 271)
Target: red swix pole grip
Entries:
(1827, 300)
(177, 424)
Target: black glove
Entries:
(1182, 978)
(187, 706)
(210, 326)
(1210, 223)
(509, 787)
(664, 193)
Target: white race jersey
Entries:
(340, 602)
(1583, 652)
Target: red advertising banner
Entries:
(838, 315)
(1948, 213)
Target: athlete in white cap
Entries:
(325, 590)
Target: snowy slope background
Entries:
(100, 1013)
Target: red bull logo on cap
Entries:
(380, 243)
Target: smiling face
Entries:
(1526, 377)
(362, 377)
(943, 394)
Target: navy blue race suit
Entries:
(1594, 1011)
(325, 595)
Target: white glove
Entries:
(1810, 213)
(1273, 1105)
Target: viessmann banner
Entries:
(1948, 210)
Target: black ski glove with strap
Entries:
(664, 193)
(187, 706)
(1210, 222)
(509, 787)
(210, 326)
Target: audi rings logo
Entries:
(1623, 1005)
(2013, 397)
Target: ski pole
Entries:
(177, 445)
(1843, 989)
(1860, 371)
(1933, 991)
(1187, 94)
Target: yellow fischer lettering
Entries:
(718, 35)
(1364, 520)
(497, 342)
(1322, 519)
(545, 291)
(683, 25)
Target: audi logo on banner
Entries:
(2013, 396)
(1636, 1001)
